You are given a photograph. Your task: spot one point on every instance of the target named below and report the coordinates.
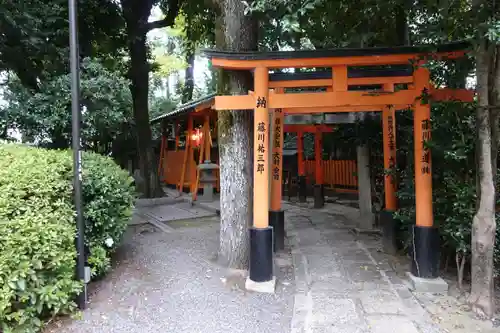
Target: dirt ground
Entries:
(450, 311)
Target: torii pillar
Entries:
(261, 277)
(387, 221)
(425, 251)
(276, 214)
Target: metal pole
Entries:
(77, 175)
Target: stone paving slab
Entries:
(348, 285)
(391, 324)
(372, 299)
(179, 211)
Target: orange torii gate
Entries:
(318, 130)
(343, 94)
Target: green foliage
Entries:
(108, 195)
(493, 33)
(453, 166)
(45, 116)
(34, 39)
(37, 251)
(167, 49)
(453, 172)
(37, 230)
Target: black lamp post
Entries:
(77, 172)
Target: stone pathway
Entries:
(344, 284)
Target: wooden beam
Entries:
(187, 153)
(308, 128)
(339, 101)
(316, 100)
(340, 78)
(341, 98)
(235, 102)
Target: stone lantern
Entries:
(208, 179)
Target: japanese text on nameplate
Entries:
(390, 122)
(261, 102)
(260, 168)
(276, 158)
(277, 132)
(426, 154)
(276, 173)
(261, 131)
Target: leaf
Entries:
(21, 284)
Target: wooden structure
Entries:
(183, 131)
(357, 80)
(318, 131)
(178, 162)
(338, 175)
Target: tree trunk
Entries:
(139, 72)
(494, 112)
(403, 33)
(484, 225)
(136, 14)
(236, 33)
(495, 122)
(187, 92)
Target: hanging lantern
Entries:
(196, 137)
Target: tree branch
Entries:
(169, 20)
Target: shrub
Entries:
(37, 229)
(108, 196)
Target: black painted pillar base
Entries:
(261, 254)
(319, 196)
(425, 252)
(389, 228)
(277, 221)
(302, 189)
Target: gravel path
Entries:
(168, 282)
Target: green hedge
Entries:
(37, 229)
(108, 195)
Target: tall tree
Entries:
(187, 91)
(34, 38)
(235, 32)
(136, 14)
(487, 56)
(199, 31)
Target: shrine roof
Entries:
(184, 108)
(338, 52)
